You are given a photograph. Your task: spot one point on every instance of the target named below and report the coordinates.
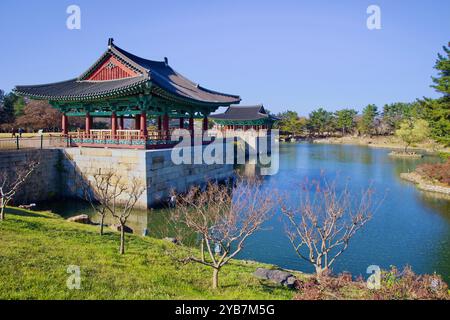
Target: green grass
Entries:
(37, 247)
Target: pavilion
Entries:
(120, 85)
(244, 118)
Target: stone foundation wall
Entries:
(44, 183)
(154, 169)
(163, 175)
(61, 171)
(80, 164)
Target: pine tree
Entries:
(437, 111)
(7, 107)
(367, 124)
(442, 82)
(345, 120)
(321, 121)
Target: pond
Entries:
(409, 228)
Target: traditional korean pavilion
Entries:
(244, 118)
(120, 85)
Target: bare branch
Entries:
(12, 179)
(324, 221)
(225, 217)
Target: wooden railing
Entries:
(122, 139)
(128, 134)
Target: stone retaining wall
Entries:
(154, 168)
(163, 175)
(60, 171)
(44, 183)
(80, 164)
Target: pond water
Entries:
(409, 228)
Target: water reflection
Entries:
(151, 222)
(410, 228)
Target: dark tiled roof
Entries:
(243, 113)
(80, 90)
(158, 72)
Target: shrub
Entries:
(437, 171)
(408, 285)
(395, 285)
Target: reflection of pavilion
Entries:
(120, 85)
(244, 118)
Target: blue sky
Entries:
(296, 55)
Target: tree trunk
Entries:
(122, 239)
(215, 279)
(102, 220)
(2, 210)
(202, 248)
(320, 271)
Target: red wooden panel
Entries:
(111, 69)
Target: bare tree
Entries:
(322, 224)
(99, 193)
(133, 191)
(224, 218)
(11, 180)
(109, 193)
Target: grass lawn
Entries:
(37, 247)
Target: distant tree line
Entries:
(31, 115)
(372, 121)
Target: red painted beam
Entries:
(143, 124)
(64, 124)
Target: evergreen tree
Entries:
(345, 120)
(395, 113)
(2, 99)
(367, 123)
(442, 81)
(437, 111)
(19, 106)
(290, 122)
(7, 107)
(321, 121)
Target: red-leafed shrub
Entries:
(394, 285)
(408, 285)
(437, 171)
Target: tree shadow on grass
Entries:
(270, 287)
(266, 285)
(28, 213)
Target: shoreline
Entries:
(426, 185)
(382, 142)
(146, 279)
